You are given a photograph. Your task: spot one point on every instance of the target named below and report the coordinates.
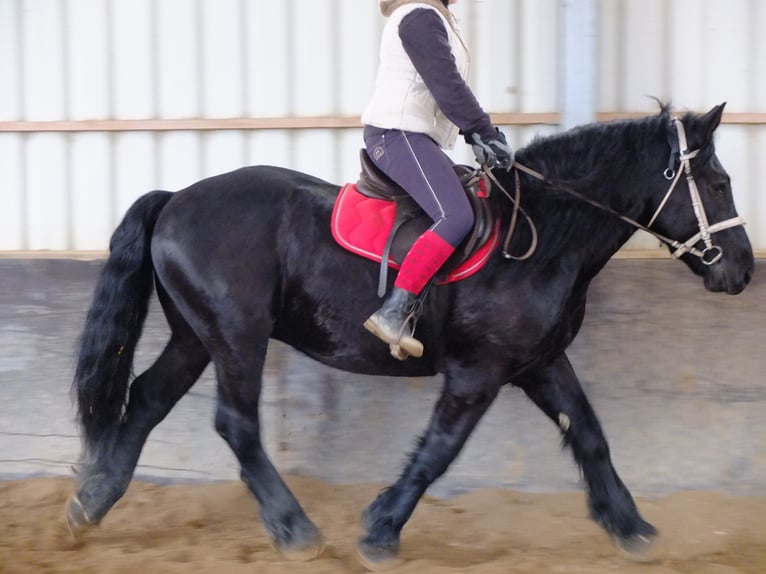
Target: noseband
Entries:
(712, 253)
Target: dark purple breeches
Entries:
(416, 163)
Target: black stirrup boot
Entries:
(391, 323)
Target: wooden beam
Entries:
(208, 124)
(190, 124)
(734, 118)
(301, 123)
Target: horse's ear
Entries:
(711, 120)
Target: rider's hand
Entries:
(494, 152)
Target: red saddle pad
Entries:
(362, 224)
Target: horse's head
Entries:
(698, 211)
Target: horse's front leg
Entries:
(557, 391)
(464, 399)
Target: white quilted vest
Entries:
(401, 99)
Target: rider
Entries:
(421, 100)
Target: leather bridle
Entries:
(711, 253)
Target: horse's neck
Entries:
(607, 163)
(590, 238)
(571, 228)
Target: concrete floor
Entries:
(674, 372)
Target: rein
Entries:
(710, 255)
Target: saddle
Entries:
(377, 219)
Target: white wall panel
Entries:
(46, 200)
(10, 60)
(314, 58)
(44, 64)
(87, 56)
(726, 62)
(179, 160)
(134, 169)
(692, 52)
(644, 62)
(223, 59)
(496, 53)
(539, 52)
(730, 140)
(685, 54)
(133, 62)
(178, 58)
(757, 55)
(755, 154)
(315, 152)
(270, 147)
(358, 29)
(610, 25)
(90, 170)
(12, 192)
(268, 48)
(223, 151)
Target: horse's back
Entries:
(246, 189)
(235, 208)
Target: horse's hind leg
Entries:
(109, 462)
(557, 391)
(239, 370)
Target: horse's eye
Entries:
(720, 188)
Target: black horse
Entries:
(247, 256)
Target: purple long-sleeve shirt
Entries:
(426, 42)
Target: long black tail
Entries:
(115, 319)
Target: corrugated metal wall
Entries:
(79, 77)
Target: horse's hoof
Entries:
(305, 552)
(639, 547)
(376, 558)
(77, 520)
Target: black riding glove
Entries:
(492, 153)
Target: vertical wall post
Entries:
(578, 61)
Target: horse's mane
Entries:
(577, 155)
(592, 159)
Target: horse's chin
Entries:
(720, 283)
(736, 289)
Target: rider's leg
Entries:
(416, 163)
